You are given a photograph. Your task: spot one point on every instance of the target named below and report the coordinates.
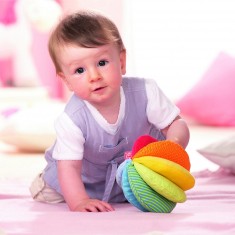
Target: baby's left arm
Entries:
(177, 132)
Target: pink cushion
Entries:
(212, 100)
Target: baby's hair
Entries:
(85, 29)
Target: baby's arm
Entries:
(177, 132)
(69, 173)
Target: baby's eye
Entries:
(80, 70)
(102, 63)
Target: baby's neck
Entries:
(110, 113)
(110, 110)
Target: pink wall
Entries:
(111, 8)
(7, 17)
(44, 64)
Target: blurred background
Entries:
(173, 42)
(187, 46)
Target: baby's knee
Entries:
(42, 192)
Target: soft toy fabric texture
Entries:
(160, 184)
(147, 197)
(155, 183)
(127, 189)
(141, 142)
(170, 170)
(168, 150)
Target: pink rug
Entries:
(210, 209)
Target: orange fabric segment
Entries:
(168, 150)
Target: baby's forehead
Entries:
(68, 47)
(72, 52)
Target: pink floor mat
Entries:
(210, 209)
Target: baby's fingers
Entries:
(107, 206)
(99, 206)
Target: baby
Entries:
(105, 115)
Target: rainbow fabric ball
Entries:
(156, 176)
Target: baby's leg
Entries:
(42, 192)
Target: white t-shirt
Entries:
(69, 143)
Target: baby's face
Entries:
(93, 74)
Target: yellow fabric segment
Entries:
(171, 170)
(160, 184)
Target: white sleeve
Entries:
(69, 140)
(161, 111)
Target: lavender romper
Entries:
(104, 152)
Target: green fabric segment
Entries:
(160, 184)
(146, 196)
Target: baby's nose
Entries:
(94, 75)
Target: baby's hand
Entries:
(93, 205)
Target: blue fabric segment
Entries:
(120, 171)
(127, 189)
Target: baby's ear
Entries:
(63, 77)
(123, 61)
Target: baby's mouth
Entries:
(98, 88)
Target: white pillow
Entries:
(31, 129)
(221, 152)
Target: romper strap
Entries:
(111, 178)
